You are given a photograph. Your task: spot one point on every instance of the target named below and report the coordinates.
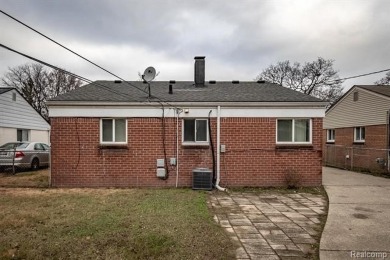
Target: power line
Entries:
(82, 57)
(62, 70)
(142, 90)
(50, 39)
(358, 76)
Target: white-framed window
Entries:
(195, 131)
(22, 135)
(113, 131)
(330, 135)
(360, 134)
(293, 131)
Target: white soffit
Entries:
(191, 112)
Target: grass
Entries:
(109, 224)
(38, 179)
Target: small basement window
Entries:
(113, 131)
(293, 131)
(195, 132)
(360, 134)
(330, 135)
(22, 135)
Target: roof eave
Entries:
(192, 104)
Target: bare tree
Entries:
(317, 78)
(385, 80)
(38, 84)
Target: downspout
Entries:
(388, 140)
(50, 165)
(177, 146)
(219, 150)
(214, 178)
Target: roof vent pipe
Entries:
(199, 70)
(170, 89)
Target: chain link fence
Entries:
(357, 158)
(18, 160)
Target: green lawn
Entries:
(109, 224)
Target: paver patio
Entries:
(270, 226)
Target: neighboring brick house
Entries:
(356, 129)
(109, 134)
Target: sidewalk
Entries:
(358, 218)
(270, 226)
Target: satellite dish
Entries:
(149, 74)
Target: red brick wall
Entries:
(251, 158)
(364, 154)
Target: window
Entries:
(47, 148)
(13, 96)
(113, 131)
(360, 134)
(356, 96)
(293, 131)
(330, 135)
(195, 131)
(22, 135)
(38, 147)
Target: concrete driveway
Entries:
(358, 224)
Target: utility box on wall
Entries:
(161, 173)
(202, 179)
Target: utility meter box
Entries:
(161, 173)
(160, 163)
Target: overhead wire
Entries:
(357, 76)
(62, 70)
(100, 67)
(82, 57)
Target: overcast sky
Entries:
(238, 38)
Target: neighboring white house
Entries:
(19, 121)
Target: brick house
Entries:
(111, 134)
(356, 129)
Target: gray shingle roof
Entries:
(3, 90)
(185, 91)
(380, 89)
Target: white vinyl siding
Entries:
(369, 109)
(19, 114)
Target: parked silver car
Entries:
(24, 155)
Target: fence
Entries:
(15, 160)
(357, 158)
